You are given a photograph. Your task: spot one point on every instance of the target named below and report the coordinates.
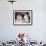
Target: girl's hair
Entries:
(27, 13)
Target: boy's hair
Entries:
(16, 14)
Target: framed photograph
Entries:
(22, 17)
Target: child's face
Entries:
(19, 17)
(26, 16)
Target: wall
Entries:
(37, 31)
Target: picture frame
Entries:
(22, 17)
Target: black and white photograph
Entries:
(22, 17)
